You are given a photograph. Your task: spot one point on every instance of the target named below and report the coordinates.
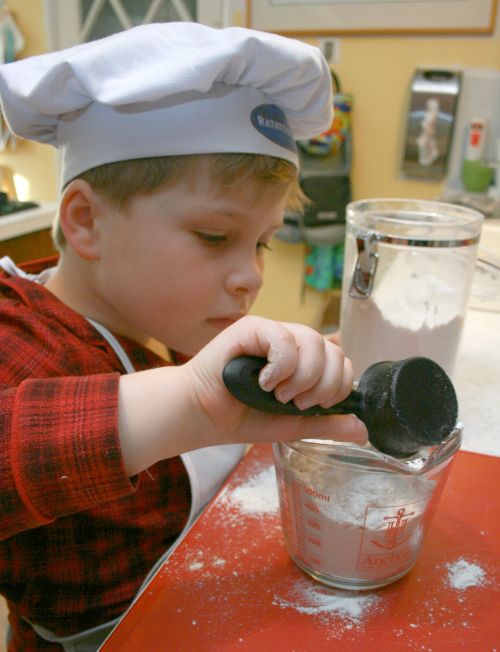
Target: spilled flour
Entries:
(317, 600)
(258, 495)
(463, 574)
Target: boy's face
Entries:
(183, 263)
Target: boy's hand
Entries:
(171, 410)
(302, 366)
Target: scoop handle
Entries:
(241, 377)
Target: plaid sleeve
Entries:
(63, 455)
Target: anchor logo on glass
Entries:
(396, 531)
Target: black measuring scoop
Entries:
(404, 404)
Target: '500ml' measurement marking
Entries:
(316, 494)
(312, 507)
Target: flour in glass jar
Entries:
(411, 312)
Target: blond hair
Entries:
(121, 181)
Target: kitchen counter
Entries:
(490, 236)
(476, 379)
(27, 221)
(230, 585)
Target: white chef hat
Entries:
(169, 89)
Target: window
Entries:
(70, 22)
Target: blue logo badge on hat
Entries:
(271, 122)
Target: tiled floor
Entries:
(3, 624)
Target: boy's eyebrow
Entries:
(235, 215)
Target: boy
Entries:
(177, 162)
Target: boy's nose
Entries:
(245, 278)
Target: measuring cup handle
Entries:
(241, 377)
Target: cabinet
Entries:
(26, 235)
(28, 247)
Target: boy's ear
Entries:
(79, 214)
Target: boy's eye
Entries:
(211, 238)
(214, 239)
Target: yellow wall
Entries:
(377, 70)
(37, 163)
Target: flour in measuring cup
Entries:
(352, 492)
(361, 526)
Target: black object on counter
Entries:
(405, 404)
(9, 206)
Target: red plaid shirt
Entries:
(77, 536)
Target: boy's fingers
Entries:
(346, 428)
(308, 371)
(302, 364)
(345, 387)
(255, 336)
(334, 385)
(334, 338)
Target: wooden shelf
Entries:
(26, 235)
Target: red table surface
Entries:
(231, 585)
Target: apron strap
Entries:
(114, 344)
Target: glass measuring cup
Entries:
(353, 517)
(408, 270)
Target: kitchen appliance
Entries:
(433, 103)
